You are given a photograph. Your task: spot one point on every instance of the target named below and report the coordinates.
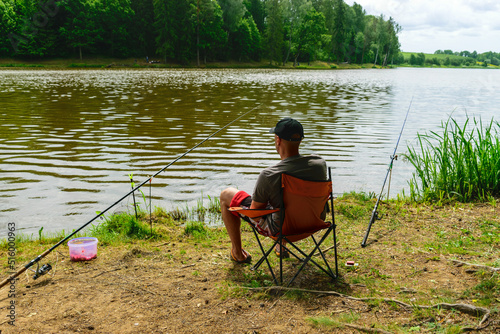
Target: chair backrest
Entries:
(303, 203)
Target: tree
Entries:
(142, 28)
(421, 59)
(359, 47)
(7, 27)
(165, 27)
(175, 22)
(247, 40)
(393, 45)
(413, 59)
(382, 36)
(210, 34)
(370, 39)
(256, 8)
(114, 20)
(232, 13)
(33, 30)
(80, 30)
(327, 8)
(339, 29)
(274, 31)
(256, 45)
(294, 12)
(310, 32)
(358, 24)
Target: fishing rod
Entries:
(45, 268)
(375, 215)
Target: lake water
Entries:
(69, 138)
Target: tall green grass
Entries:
(460, 163)
(121, 226)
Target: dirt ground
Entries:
(185, 285)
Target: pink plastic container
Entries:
(82, 249)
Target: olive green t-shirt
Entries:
(267, 188)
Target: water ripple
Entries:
(69, 139)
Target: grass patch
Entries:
(334, 322)
(460, 163)
(354, 206)
(121, 227)
(486, 291)
(84, 65)
(197, 230)
(22, 65)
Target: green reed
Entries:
(461, 163)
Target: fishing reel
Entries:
(41, 271)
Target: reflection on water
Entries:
(69, 139)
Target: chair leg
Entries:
(330, 272)
(264, 257)
(335, 249)
(309, 258)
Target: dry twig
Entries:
(367, 329)
(463, 308)
(460, 263)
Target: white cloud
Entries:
(429, 25)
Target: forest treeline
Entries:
(184, 31)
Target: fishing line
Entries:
(41, 256)
(389, 170)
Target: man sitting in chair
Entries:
(288, 134)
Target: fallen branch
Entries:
(463, 308)
(105, 272)
(367, 329)
(188, 265)
(460, 263)
(326, 249)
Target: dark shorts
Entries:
(265, 226)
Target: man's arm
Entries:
(259, 206)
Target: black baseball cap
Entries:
(289, 129)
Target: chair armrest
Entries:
(253, 213)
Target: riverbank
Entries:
(75, 63)
(182, 280)
(157, 63)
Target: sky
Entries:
(430, 25)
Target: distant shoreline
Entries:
(141, 63)
(133, 63)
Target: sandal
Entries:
(285, 255)
(248, 259)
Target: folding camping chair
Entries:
(300, 214)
